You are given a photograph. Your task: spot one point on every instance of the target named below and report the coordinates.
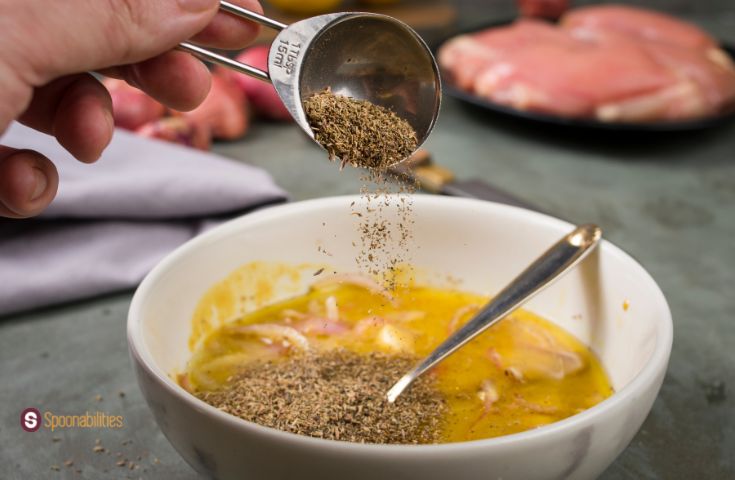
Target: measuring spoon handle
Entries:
(214, 57)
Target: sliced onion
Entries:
(273, 331)
(516, 373)
(495, 357)
(488, 394)
(320, 326)
(459, 315)
(330, 305)
(395, 340)
(521, 402)
(183, 379)
(409, 316)
(537, 353)
(293, 314)
(357, 280)
(367, 323)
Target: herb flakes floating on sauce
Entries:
(359, 132)
(336, 395)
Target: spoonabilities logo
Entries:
(30, 419)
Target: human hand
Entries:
(48, 46)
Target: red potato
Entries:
(261, 94)
(178, 130)
(551, 9)
(132, 108)
(225, 111)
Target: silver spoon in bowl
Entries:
(365, 56)
(544, 271)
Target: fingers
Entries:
(41, 111)
(83, 123)
(82, 35)
(229, 32)
(180, 81)
(77, 110)
(28, 182)
(175, 79)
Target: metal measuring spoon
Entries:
(544, 271)
(366, 56)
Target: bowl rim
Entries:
(657, 363)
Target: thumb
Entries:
(28, 182)
(80, 35)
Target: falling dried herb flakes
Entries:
(337, 395)
(359, 132)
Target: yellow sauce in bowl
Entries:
(522, 373)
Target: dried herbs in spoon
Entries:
(359, 132)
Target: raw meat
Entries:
(466, 56)
(597, 66)
(705, 86)
(572, 80)
(640, 23)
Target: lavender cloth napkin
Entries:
(112, 221)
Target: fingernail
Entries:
(196, 6)
(41, 183)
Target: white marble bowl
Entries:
(609, 302)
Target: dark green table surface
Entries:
(669, 201)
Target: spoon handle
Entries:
(551, 265)
(250, 15)
(216, 58)
(213, 57)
